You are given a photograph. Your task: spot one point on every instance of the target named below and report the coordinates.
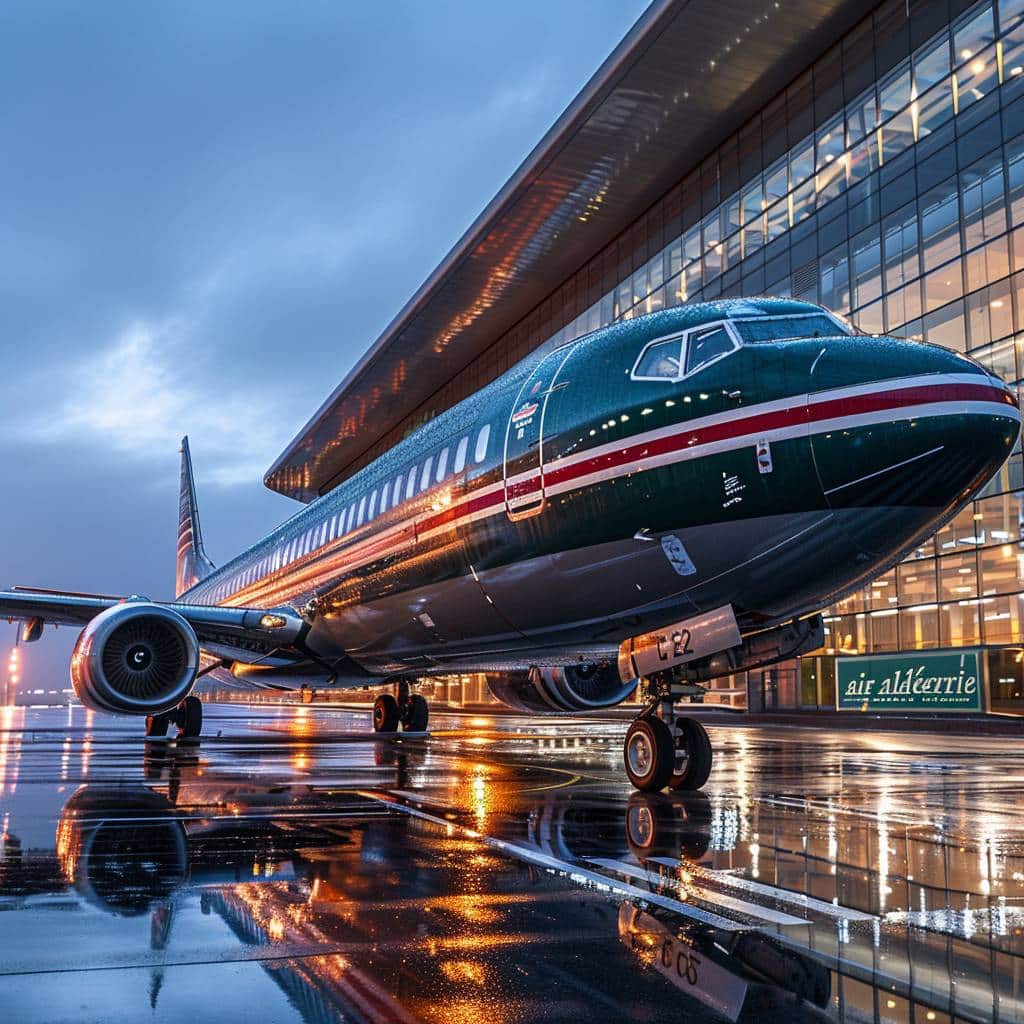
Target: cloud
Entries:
(143, 390)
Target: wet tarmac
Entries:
(290, 867)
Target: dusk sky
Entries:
(210, 211)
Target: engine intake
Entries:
(576, 687)
(135, 658)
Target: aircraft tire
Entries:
(385, 713)
(156, 725)
(417, 714)
(190, 718)
(649, 754)
(695, 739)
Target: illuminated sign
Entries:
(916, 681)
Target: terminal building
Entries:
(866, 157)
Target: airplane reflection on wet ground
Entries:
(291, 867)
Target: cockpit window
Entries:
(662, 360)
(783, 328)
(706, 345)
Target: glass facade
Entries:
(887, 183)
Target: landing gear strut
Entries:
(663, 749)
(187, 716)
(407, 709)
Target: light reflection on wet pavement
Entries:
(290, 867)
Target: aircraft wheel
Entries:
(416, 714)
(156, 725)
(190, 718)
(694, 766)
(649, 754)
(385, 713)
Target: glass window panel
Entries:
(661, 361)
(919, 627)
(881, 593)
(959, 533)
(867, 277)
(803, 201)
(829, 143)
(943, 285)
(373, 504)
(931, 65)
(691, 244)
(1015, 180)
(976, 78)
(778, 219)
(783, 328)
(899, 234)
(982, 201)
(894, 92)
(705, 345)
(714, 262)
(640, 286)
(973, 34)
(959, 624)
(917, 583)
(410, 484)
(834, 280)
(902, 305)
(675, 257)
(1002, 621)
(988, 263)
(940, 230)
(801, 161)
(1011, 12)
(849, 634)
(655, 276)
(753, 235)
(1000, 358)
(425, 475)
(442, 465)
(934, 108)
(733, 250)
(869, 319)
(1002, 569)
(861, 116)
(776, 183)
(1013, 52)
(753, 201)
(362, 511)
(396, 494)
(1002, 519)
(830, 181)
(946, 327)
(731, 214)
(861, 160)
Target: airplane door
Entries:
(524, 437)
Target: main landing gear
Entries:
(187, 716)
(406, 709)
(663, 749)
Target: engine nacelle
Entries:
(135, 658)
(576, 687)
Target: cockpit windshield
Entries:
(784, 328)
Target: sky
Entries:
(209, 212)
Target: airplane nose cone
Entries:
(904, 435)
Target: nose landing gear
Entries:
(665, 750)
(408, 709)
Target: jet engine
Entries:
(576, 687)
(135, 658)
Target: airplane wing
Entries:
(240, 634)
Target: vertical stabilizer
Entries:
(193, 565)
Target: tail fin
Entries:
(193, 565)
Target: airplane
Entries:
(666, 500)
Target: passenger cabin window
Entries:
(482, 438)
(396, 495)
(787, 327)
(362, 509)
(351, 517)
(425, 475)
(410, 487)
(706, 345)
(663, 360)
(442, 464)
(460, 456)
(373, 505)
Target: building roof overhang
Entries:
(687, 75)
